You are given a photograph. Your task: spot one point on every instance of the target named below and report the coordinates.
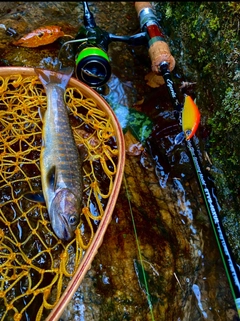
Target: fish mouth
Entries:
(60, 229)
(61, 210)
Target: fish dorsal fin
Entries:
(52, 77)
(52, 178)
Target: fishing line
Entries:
(138, 248)
(69, 42)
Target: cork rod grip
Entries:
(142, 5)
(158, 50)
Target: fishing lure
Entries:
(190, 117)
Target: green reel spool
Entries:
(92, 66)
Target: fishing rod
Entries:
(92, 66)
(163, 63)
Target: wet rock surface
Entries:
(158, 225)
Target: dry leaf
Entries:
(154, 80)
(139, 102)
(39, 37)
(132, 145)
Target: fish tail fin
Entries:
(48, 76)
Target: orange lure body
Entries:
(190, 117)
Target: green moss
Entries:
(204, 39)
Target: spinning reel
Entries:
(92, 64)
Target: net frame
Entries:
(96, 238)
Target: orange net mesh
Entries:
(35, 266)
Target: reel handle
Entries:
(157, 47)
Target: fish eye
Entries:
(73, 220)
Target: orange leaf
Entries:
(154, 80)
(39, 37)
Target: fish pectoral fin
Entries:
(36, 196)
(52, 178)
(82, 151)
(41, 113)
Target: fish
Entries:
(60, 159)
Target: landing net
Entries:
(35, 266)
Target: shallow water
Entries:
(160, 224)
